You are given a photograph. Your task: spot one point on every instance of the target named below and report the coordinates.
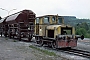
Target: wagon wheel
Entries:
(19, 38)
(5, 34)
(1, 34)
(9, 35)
(18, 35)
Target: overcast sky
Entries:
(78, 8)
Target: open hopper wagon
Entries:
(20, 25)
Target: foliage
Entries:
(82, 26)
(83, 29)
(88, 31)
(80, 31)
(87, 35)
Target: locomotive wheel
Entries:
(53, 45)
(41, 43)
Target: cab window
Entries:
(59, 20)
(46, 19)
(53, 18)
(37, 20)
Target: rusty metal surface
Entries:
(20, 25)
(22, 16)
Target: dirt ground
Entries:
(11, 49)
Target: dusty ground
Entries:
(84, 44)
(11, 49)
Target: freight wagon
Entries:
(19, 25)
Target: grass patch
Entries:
(14, 41)
(6, 38)
(44, 51)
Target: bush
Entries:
(81, 31)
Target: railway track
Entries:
(77, 52)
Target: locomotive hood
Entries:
(52, 27)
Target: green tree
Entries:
(88, 31)
(81, 31)
(83, 25)
(87, 35)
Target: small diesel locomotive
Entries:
(50, 30)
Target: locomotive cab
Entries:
(50, 30)
(43, 21)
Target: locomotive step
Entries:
(13, 27)
(25, 30)
(23, 27)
